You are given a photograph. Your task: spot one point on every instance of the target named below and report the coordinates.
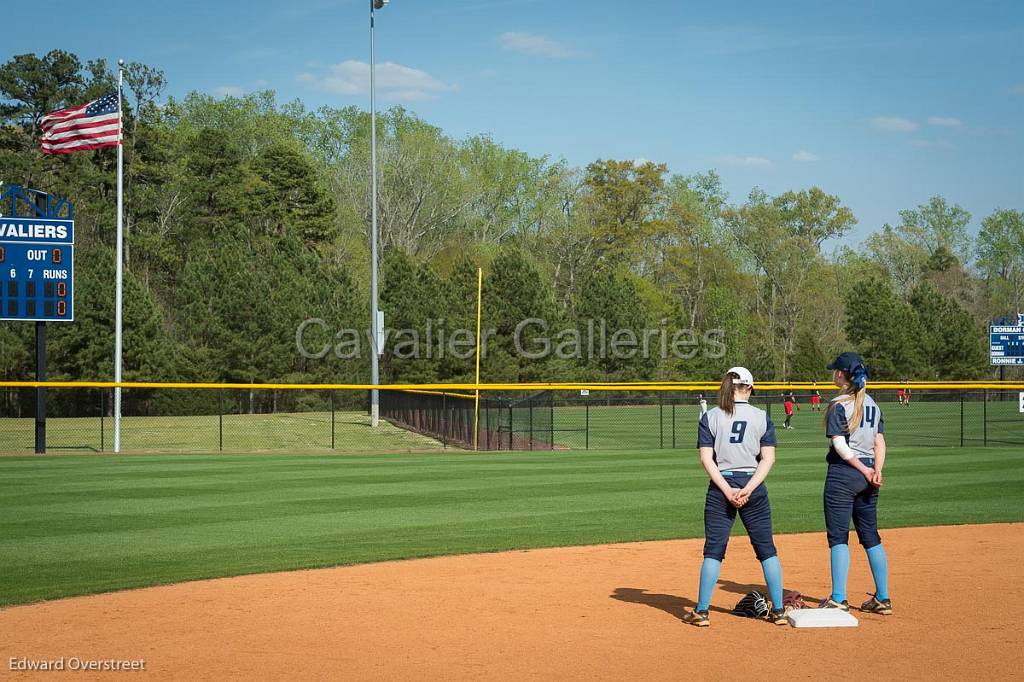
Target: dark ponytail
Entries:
(726, 397)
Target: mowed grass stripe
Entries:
(317, 500)
(74, 525)
(317, 518)
(330, 473)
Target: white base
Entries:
(821, 618)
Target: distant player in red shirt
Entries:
(899, 396)
(788, 404)
(815, 397)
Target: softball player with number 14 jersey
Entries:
(856, 455)
(737, 449)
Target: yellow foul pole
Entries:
(476, 405)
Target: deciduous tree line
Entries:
(245, 217)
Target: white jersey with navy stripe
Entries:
(737, 438)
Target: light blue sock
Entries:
(880, 571)
(840, 568)
(709, 571)
(773, 579)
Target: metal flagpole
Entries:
(120, 258)
(476, 401)
(374, 369)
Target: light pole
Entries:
(374, 313)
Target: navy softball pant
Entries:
(848, 495)
(756, 515)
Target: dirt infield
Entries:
(605, 612)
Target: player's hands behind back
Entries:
(741, 497)
(874, 477)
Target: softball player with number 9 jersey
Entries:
(737, 449)
(856, 455)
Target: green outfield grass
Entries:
(81, 524)
(281, 432)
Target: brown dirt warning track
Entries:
(606, 612)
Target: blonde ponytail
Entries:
(854, 418)
(858, 409)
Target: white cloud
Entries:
(229, 91)
(394, 81)
(944, 121)
(745, 161)
(535, 45)
(261, 83)
(804, 155)
(893, 124)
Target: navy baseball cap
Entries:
(846, 362)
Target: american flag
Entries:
(93, 125)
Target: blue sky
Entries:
(882, 103)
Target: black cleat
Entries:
(883, 607)
(830, 603)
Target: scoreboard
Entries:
(37, 269)
(1006, 343)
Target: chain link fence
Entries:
(202, 421)
(315, 420)
(611, 420)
